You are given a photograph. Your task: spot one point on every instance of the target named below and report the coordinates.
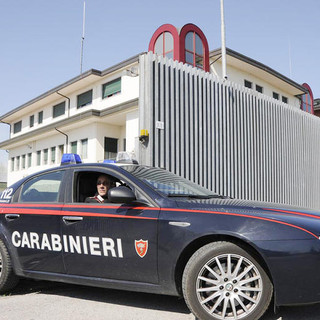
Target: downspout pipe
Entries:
(62, 95)
(67, 138)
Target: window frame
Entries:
(61, 105)
(17, 127)
(113, 93)
(31, 121)
(86, 103)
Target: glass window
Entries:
(164, 45)
(284, 99)
(40, 117)
(29, 160)
(31, 121)
(12, 164)
(275, 95)
(84, 148)
(53, 155)
(248, 84)
(18, 163)
(61, 151)
(307, 100)
(111, 88)
(23, 164)
(17, 127)
(259, 88)
(110, 148)
(194, 50)
(44, 188)
(59, 109)
(74, 146)
(84, 99)
(45, 156)
(38, 158)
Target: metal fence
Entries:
(226, 137)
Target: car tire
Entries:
(221, 279)
(8, 280)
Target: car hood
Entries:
(303, 218)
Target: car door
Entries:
(110, 240)
(33, 223)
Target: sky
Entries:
(40, 40)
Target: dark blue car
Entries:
(158, 233)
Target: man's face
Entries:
(103, 185)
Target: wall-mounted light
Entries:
(144, 136)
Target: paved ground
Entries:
(33, 300)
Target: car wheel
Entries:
(8, 279)
(223, 281)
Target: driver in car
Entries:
(104, 183)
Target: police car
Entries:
(158, 233)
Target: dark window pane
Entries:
(189, 42)
(17, 127)
(284, 99)
(38, 158)
(84, 99)
(199, 62)
(158, 47)
(45, 156)
(42, 189)
(199, 46)
(247, 84)
(275, 95)
(259, 88)
(40, 117)
(59, 109)
(31, 121)
(189, 58)
(111, 88)
(53, 154)
(24, 161)
(110, 148)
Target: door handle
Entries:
(71, 219)
(12, 216)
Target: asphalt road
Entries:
(38, 300)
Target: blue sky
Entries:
(41, 40)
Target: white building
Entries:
(97, 113)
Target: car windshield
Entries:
(168, 183)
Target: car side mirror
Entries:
(121, 194)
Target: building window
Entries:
(284, 99)
(84, 148)
(307, 100)
(59, 110)
(53, 155)
(40, 117)
(18, 163)
(74, 146)
(164, 45)
(275, 95)
(61, 151)
(248, 84)
(45, 156)
(12, 164)
(259, 88)
(17, 127)
(111, 88)
(124, 144)
(84, 99)
(31, 121)
(29, 160)
(194, 50)
(110, 148)
(23, 164)
(38, 158)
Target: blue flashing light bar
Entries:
(109, 161)
(70, 158)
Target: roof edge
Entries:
(259, 65)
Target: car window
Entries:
(44, 188)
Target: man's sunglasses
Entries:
(105, 183)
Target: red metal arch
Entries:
(167, 28)
(191, 27)
(305, 85)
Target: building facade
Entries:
(100, 113)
